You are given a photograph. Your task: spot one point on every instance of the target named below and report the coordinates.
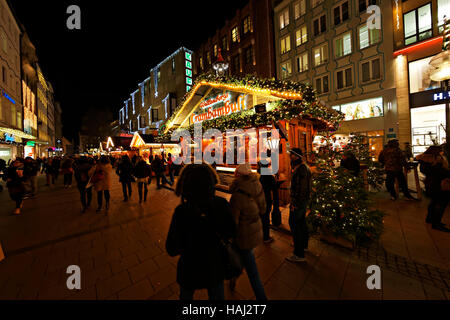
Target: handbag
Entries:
(98, 175)
(445, 184)
(232, 260)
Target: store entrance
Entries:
(427, 127)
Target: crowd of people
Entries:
(203, 222)
(90, 173)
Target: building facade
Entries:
(156, 98)
(11, 110)
(345, 51)
(418, 27)
(246, 42)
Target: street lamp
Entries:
(440, 71)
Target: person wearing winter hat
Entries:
(248, 204)
(300, 195)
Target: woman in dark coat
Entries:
(198, 222)
(142, 172)
(125, 172)
(14, 183)
(436, 167)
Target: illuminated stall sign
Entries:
(218, 106)
(364, 109)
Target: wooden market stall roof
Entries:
(288, 94)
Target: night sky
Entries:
(101, 64)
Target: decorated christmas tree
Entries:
(340, 203)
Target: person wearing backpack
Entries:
(197, 227)
(248, 204)
(142, 172)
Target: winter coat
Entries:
(125, 172)
(142, 170)
(105, 183)
(248, 203)
(157, 166)
(301, 185)
(193, 236)
(82, 173)
(393, 159)
(66, 167)
(269, 184)
(14, 181)
(31, 169)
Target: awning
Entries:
(17, 133)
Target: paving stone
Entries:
(124, 263)
(140, 291)
(143, 270)
(163, 278)
(111, 286)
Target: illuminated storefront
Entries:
(364, 117)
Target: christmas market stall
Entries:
(145, 146)
(231, 103)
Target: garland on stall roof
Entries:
(308, 93)
(284, 109)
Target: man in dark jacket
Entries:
(82, 168)
(394, 160)
(125, 172)
(269, 184)
(350, 163)
(30, 171)
(301, 182)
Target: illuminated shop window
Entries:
(419, 76)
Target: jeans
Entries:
(85, 195)
(126, 194)
(248, 259)
(100, 198)
(265, 219)
(390, 183)
(299, 229)
(34, 184)
(172, 176)
(215, 293)
(140, 186)
(68, 179)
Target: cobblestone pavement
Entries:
(121, 254)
